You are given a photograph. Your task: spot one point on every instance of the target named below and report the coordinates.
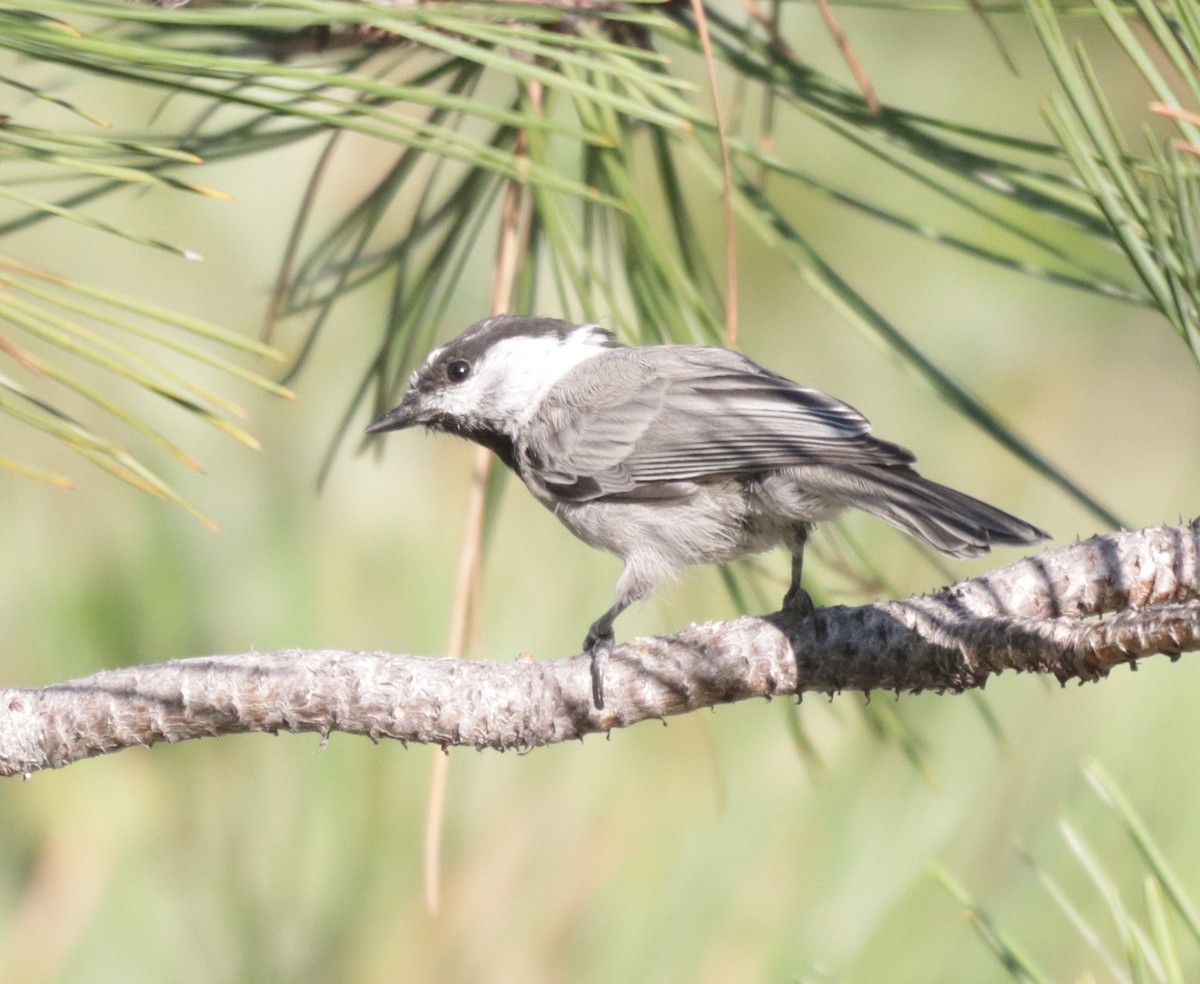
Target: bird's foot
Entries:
(599, 646)
(798, 600)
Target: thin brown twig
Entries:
(1175, 113)
(731, 277)
(770, 24)
(1183, 116)
(462, 622)
(514, 224)
(853, 62)
(766, 142)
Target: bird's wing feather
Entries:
(638, 422)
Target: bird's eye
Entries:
(458, 370)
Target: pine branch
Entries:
(1035, 616)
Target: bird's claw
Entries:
(798, 600)
(599, 648)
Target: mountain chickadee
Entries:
(671, 455)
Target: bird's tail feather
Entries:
(954, 523)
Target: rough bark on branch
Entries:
(1038, 615)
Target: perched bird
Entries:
(671, 455)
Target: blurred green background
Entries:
(715, 848)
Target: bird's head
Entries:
(491, 378)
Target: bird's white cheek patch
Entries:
(519, 371)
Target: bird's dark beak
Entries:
(407, 414)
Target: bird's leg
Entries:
(797, 599)
(598, 645)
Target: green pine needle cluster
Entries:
(1138, 942)
(600, 110)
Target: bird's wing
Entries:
(638, 422)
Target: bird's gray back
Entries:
(646, 422)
